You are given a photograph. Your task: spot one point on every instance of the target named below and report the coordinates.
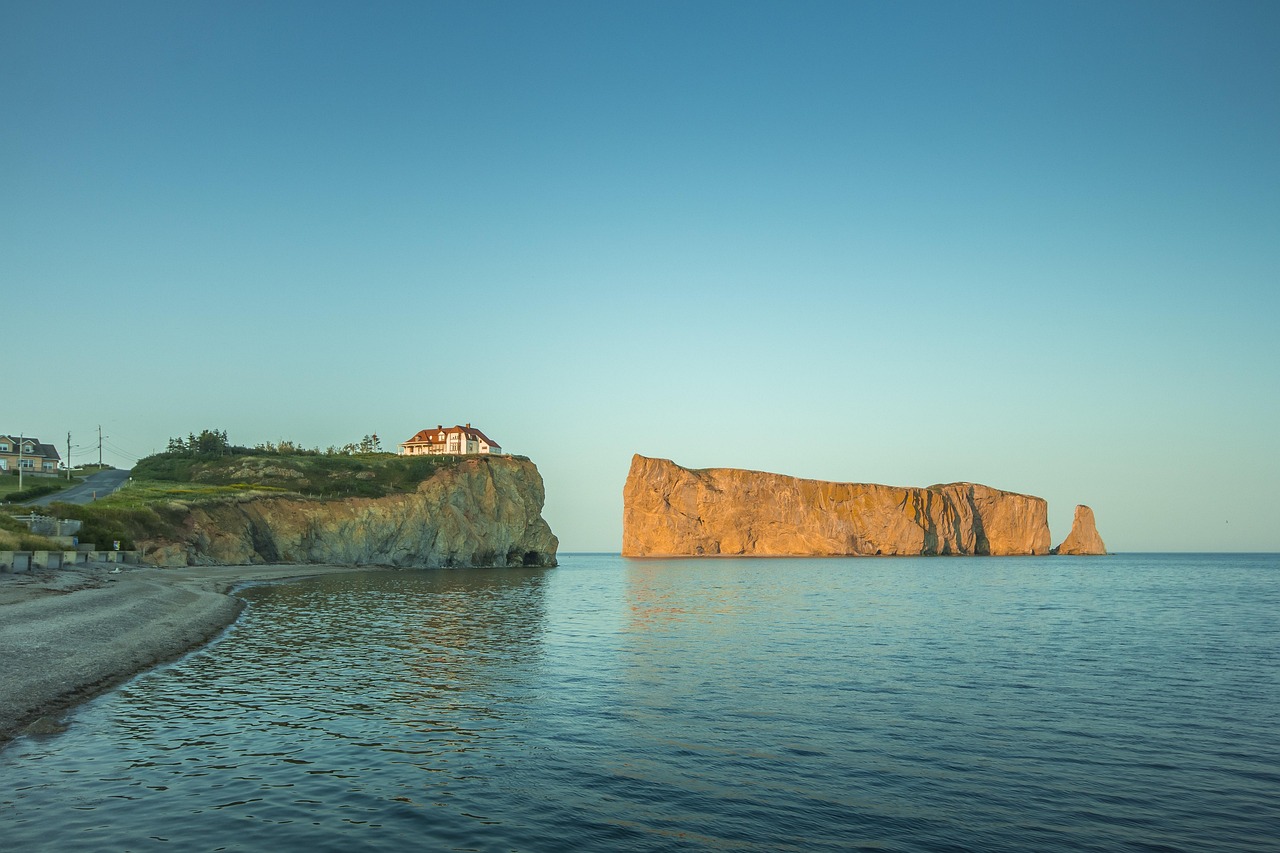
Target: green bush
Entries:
(103, 525)
(32, 492)
(8, 522)
(170, 467)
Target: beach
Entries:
(70, 634)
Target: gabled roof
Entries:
(48, 451)
(432, 436)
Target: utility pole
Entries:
(68, 456)
(99, 445)
(21, 438)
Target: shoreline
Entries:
(71, 634)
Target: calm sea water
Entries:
(1122, 703)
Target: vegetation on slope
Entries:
(102, 524)
(34, 487)
(207, 468)
(369, 475)
(14, 536)
(208, 464)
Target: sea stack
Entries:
(1083, 538)
(671, 511)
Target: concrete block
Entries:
(46, 559)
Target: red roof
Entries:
(433, 436)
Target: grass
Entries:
(103, 524)
(371, 475)
(143, 493)
(9, 485)
(155, 502)
(14, 536)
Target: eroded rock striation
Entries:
(1083, 538)
(484, 511)
(672, 511)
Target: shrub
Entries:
(32, 492)
(171, 467)
(103, 525)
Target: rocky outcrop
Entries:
(484, 511)
(1083, 538)
(673, 511)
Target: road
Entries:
(95, 486)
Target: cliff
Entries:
(484, 511)
(1083, 538)
(673, 511)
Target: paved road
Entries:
(95, 486)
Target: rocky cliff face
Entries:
(1083, 538)
(673, 511)
(485, 511)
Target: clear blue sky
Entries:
(1034, 245)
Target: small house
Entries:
(29, 454)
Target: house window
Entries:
(4, 448)
(26, 463)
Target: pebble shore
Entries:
(71, 634)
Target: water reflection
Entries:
(431, 648)
(1000, 704)
(664, 594)
(429, 670)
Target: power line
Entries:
(123, 450)
(120, 455)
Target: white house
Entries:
(452, 441)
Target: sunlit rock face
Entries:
(485, 511)
(1083, 538)
(673, 511)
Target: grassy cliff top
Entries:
(154, 504)
(370, 475)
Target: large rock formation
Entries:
(1083, 538)
(673, 511)
(484, 511)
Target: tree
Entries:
(209, 442)
(212, 442)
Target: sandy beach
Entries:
(70, 634)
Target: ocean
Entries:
(1128, 702)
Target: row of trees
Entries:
(210, 442)
(214, 442)
(368, 444)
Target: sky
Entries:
(1031, 245)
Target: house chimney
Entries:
(439, 426)
(468, 426)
